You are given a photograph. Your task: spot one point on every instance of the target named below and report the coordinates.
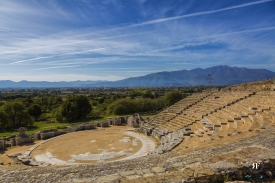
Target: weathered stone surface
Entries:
(158, 169)
(127, 173)
(222, 165)
(269, 174)
(146, 171)
(148, 175)
(108, 178)
(34, 163)
(26, 161)
(139, 172)
(135, 120)
(15, 155)
(45, 134)
(82, 180)
(133, 177)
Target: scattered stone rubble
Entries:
(169, 140)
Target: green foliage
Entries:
(76, 107)
(172, 97)
(35, 111)
(156, 95)
(130, 106)
(98, 112)
(101, 100)
(16, 115)
(121, 106)
(105, 101)
(57, 114)
(226, 178)
(147, 94)
(120, 110)
(3, 119)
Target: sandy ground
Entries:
(93, 141)
(13, 150)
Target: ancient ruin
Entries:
(213, 136)
(22, 137)
(16, 140)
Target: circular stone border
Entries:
(148, 145)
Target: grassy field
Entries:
(43, 125)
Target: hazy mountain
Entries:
(45, 84)
(221, 75)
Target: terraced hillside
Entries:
(209, 119)
(207, 137)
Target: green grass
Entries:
(144, 116)
(43, 125)
(47, 125)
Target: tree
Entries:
(3, 119)
(130, 106)
(122, 106)
(35, 111)
(57, 113)
(147, 94)
(17, 114)
(76, 107)
(84, 106)
(172, 97)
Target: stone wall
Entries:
(12, 142)
(15, 141)
(168, 140)
(117, 121)
(85, 126)
(2, 145)
(45, 134)
(105, 124)
(23, 140)
(135, 120)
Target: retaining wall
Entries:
(2, 145)
(45, 134)
(22, 140)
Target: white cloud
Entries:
(156, 42)
(200, 13)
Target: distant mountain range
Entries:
(220, 75)
(45, 84)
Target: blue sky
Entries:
(68, 40)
